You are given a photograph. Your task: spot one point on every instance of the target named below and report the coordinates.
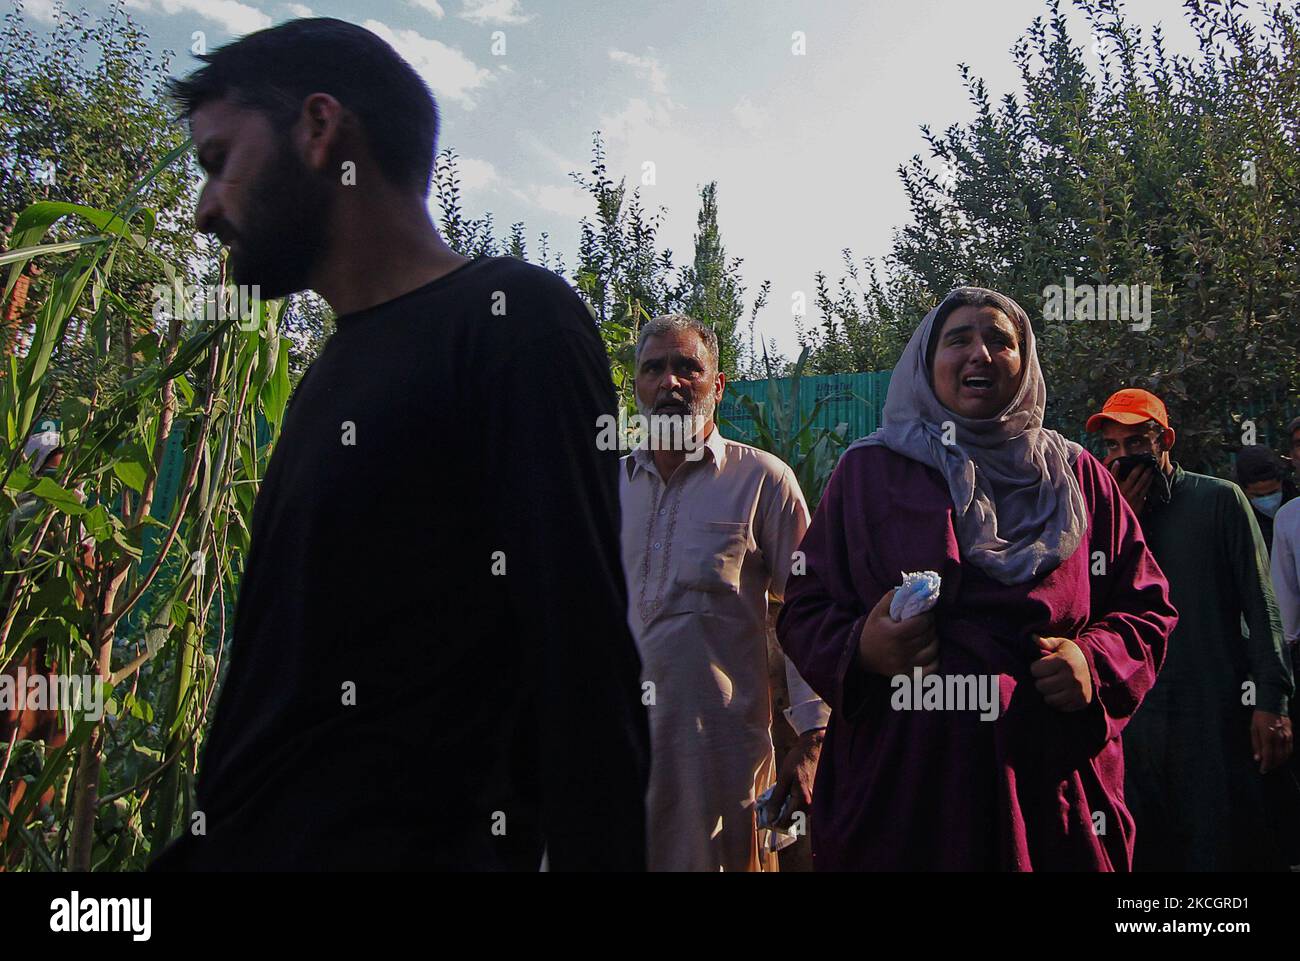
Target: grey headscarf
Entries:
(1019, 512)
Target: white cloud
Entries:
(647, 68)
(300, 10)
(433, 6)
(640, 121)
(42, 10)
(482, 12)
(645, 119)
(751, 117)
(639, 130)
(237, 18)
(476, 174)
(566, 200)
(450, 73)
(559, 164)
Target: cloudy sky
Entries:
(805, 147)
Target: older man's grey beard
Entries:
(693, 434)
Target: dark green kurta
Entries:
(1194, 789)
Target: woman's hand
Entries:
(1061, 674)
(891, 647)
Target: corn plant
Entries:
(105, 573)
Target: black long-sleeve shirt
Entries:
(431, 664)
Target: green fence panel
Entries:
(857, 400)
(170, 473)
(862, 401)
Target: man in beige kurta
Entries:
(708, 535)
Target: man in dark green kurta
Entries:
(1215, 722)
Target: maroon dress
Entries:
(1035, 789)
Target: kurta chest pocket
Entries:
(713, 554)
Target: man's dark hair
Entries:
(275, 69)
(1258, 463)
(1291, 428)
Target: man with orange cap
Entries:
(1215, 724)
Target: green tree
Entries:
(861, 328)
(713, 291)
(1175, 173)
(81, 118)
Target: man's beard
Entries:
(285, 232)
(699, 410)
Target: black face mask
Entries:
(1160, 492)
(1131, 462)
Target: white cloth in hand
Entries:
(917, 594)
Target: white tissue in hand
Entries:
(917, 594)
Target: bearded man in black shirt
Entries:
(431, 665)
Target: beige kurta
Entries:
(701, 554)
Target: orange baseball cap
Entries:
(1132, 406)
